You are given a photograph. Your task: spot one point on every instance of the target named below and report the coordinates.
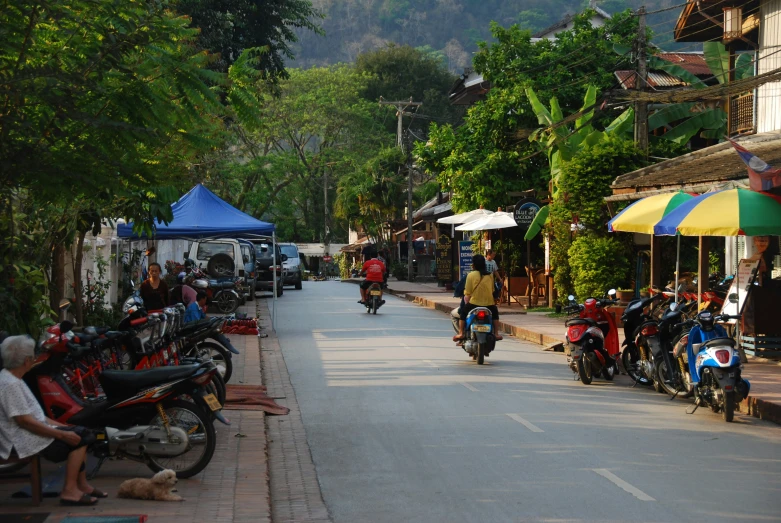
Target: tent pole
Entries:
(677, 267)
(274, 286)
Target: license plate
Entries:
(212, 402)
(481, 328)
(376, 293)
(100, 436)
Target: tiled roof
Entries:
(717, 163)
(692, 62)
(628, 80)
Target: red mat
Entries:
(251, 397)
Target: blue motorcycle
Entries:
(710, 366)
(480, 340)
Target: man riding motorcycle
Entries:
(374, 270)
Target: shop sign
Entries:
(464, 258)
(525, 211)
(444, 271)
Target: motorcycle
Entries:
(480, 340)
(592, 339)
(636, 323)
(222, 292)
(710, 366)
(655, 347)
(373, 298)
(143, 415)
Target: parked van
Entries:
(226, 258)
(293, 266)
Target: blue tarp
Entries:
(202, 214)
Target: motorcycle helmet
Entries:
(706, 319)
(181, 276)
(200, 284)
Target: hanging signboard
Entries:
(464, 258)
(444, 263)
(525, 211)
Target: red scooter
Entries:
(592, 338)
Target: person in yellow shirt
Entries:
(478, 292)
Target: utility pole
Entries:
(641, 107)
(325, 209)
(400, 108)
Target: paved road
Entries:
(403, 426)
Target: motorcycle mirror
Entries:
(571, 297)
(64, 304)
(673, 306)
(733, 298)
(65, 327)
(611, 292)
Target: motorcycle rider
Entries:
(374, 270)
(26, 431)
(478, 293)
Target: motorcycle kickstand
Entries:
(675, 395)
(696, 406)
(92, 472)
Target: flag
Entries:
(761, 176)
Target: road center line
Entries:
(468, 386)
(636, 492)
(531, 426)
(405, 346)
(430, 363)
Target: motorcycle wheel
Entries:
(629, 358)
(226, 302)
(12, 467)
(609, 372)
(728, 412)
(661, 372)
(374, 305)
(200, 429)
(480, 353)
(584, 370)
(219, 387)
(220, 355)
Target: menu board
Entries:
(444, 263)
(740, 285)
(464, 258)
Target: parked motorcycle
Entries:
(374, 298)
(592, 339)
(638, 322)
(480, 340)
(655, 345)
(223, 293)
(143, 416)
(709, 365)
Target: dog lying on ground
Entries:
(158, 488)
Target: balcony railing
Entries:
(741, 114)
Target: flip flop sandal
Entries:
(97, 493)
(84, 501)
(458, 338)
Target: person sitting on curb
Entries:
(195, 311)
(478, 293)
(26, 431)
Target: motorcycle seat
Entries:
(122, 383)
(191, 328)
(96, 330)
(113, 335)
(221, 284)
(84, 339)
(718, 342)
(581, 321)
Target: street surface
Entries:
(404, 426)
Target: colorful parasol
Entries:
(644, 214)
(732, 212)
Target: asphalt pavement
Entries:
(404, 426)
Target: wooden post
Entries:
(703, 268)
(656, 261)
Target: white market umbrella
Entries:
(497, 220)
(465, 217)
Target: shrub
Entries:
(399, 271)
(597, 264)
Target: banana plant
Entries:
(685, 120)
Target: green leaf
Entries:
(717, 58)
(669, 115)
(676, 71)
(744, 66)
(624, 124)
(713, 119)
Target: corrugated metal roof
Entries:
(692, 62)
(655, 79)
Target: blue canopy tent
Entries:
(202, 214)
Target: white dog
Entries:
(158, 488)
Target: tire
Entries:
(226, 302)
(219, 384)
(298, 284)
(584, 371)
(629, 358)
(280, 290)
(196, 423)
(661, 372)
(374, 305)
(480, 353)
(219, 354)
(728, 412)
(609, 372)
(251, 295)
(220, 266)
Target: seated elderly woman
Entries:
(25, 431)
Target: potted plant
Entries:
(625, 295)
(645, 292)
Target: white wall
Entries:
(769, 94)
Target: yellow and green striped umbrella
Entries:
(732, 212)
(644, 214)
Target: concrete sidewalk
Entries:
(764, 375)
(234, 486)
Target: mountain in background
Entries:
(449, 28)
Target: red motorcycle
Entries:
(592, 338)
